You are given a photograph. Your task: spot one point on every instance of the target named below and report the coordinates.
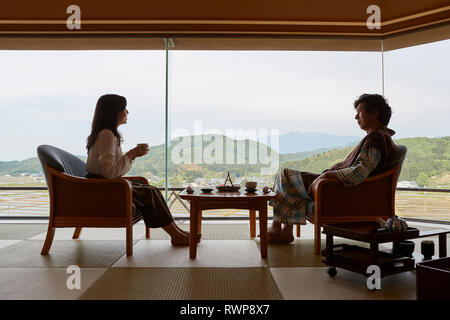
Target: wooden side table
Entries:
(357, 259)
(227, 200)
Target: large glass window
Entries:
(416, 83)
(250, 112)
(49, 97)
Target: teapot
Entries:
(393, 224)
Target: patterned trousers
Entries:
(292, 200)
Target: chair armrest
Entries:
(81, 197)
(335, 181)
(374, 197)
(136, 178)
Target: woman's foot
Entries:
(199, 236)
(180, 240)
(183, 239)
(178, 236)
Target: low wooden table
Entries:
(357, 259)
(227, 200)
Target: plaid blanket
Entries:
(292, 200)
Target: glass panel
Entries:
(298, 104)
(49, 97)
(416, 83)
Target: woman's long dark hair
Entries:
(105, 116)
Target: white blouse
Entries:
(105, 156)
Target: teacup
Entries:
(251, 185)
(143, 146)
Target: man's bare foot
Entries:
(275, 228)
(283, 235)
(280, 238)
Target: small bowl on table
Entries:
(403, 248)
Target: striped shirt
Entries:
(365, 163)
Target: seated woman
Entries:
(295, 189)
(106, 160)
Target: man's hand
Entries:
(323, 176)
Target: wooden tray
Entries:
(362, 231)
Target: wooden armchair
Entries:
(79, 202)
(371, 199)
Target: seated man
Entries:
(294, 189)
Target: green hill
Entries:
(234, 151)
(427, 161)
(15, 168)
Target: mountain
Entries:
(301, 155)
(293, 142)
(196, 156)
(427, 161)
(197, 153)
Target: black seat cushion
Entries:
(68, 163)
(60, 160)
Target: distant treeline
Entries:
(427, 162)
(427, 159)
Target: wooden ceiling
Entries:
(223, 24)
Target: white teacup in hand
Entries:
(143, 147)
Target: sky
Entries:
(49, 97)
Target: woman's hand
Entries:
(138, 151)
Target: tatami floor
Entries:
(228, 266)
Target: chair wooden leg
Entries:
(77, 232)
(147, 232)
(317, 229)
(48, 240)
(129, 240)
(252, 223)
(298, 230)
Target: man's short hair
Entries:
(373, 102)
